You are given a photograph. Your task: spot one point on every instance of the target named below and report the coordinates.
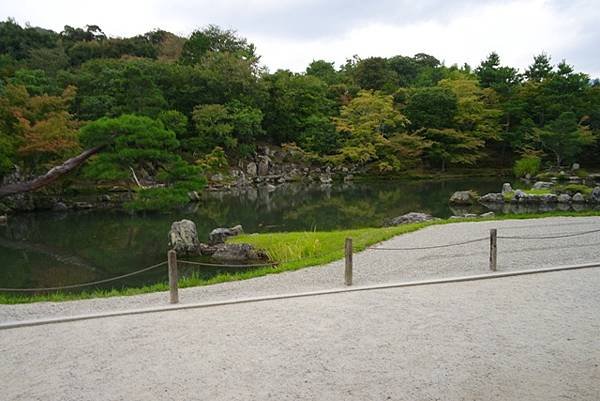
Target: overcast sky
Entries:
(291, 33)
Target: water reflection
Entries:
(47, 249)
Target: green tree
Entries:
(374, 73)
(500, 78)
(227, 126)
(452, 147)
(213, 39)
(540, 69)
(297, 106)
(564, 138)
(372, 129)
(433, 107)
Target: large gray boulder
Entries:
(238, 253)
(492, 198)
(564, 198)
(595, 197)
(412, 217)
(463, 198)
(548, 198)
(506, 188)
(252, 169)
(264, 163)
(219, 235)
(578, 198)
(520, 196)
(183, 237)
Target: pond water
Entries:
(52, 249)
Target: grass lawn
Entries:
(294, 250)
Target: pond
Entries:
(51, 249)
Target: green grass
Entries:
(294, 250)
(536, 192)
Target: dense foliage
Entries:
(166, 102)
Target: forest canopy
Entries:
(171, 102)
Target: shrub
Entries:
(527, 165)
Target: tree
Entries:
(449, 146)
(216, 40)
(374, 73)
(373, 130)
(227, 126)
(540, 69)
(296, 104)
(323, 70)
(39, 129)
(433, 107)
(477, 111)
(135, 143)
(492, 75)
(564, 138)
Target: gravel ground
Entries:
(375, 267)
(518, 338)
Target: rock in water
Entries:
(564, 198)
(183, 237)
(506, 188)
(238, 253)
(252, 169)
(543, 185)
(463, 198)
(596, 195)
(492, 198)
(219, 235)
(578, 198)
(412, 217)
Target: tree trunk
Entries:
(52, 175)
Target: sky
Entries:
(289, 34)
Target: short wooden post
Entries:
(348, 270)
(173, 277)
(493, 249)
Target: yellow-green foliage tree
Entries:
(372, 129)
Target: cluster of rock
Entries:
(418, 217)
(275, 166)
(408, 218)
(183, 238)
(509, 195)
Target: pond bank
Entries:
(290, 246)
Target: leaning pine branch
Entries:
(52, 175)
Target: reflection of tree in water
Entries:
(113, 242)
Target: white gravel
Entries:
(374, 267)
(520, 338)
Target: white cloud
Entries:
(515, 30)
(291, 33)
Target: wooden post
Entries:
(493, 249)
(173, 277)
(348, 271)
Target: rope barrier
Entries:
(227, 265)
(430, 247)
(551, 236)
(66, 287)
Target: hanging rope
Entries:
(66, 287)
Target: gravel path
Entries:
(519, 338)
(374, 267)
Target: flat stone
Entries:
(412, 217)
(492, 198)
(463, 198)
